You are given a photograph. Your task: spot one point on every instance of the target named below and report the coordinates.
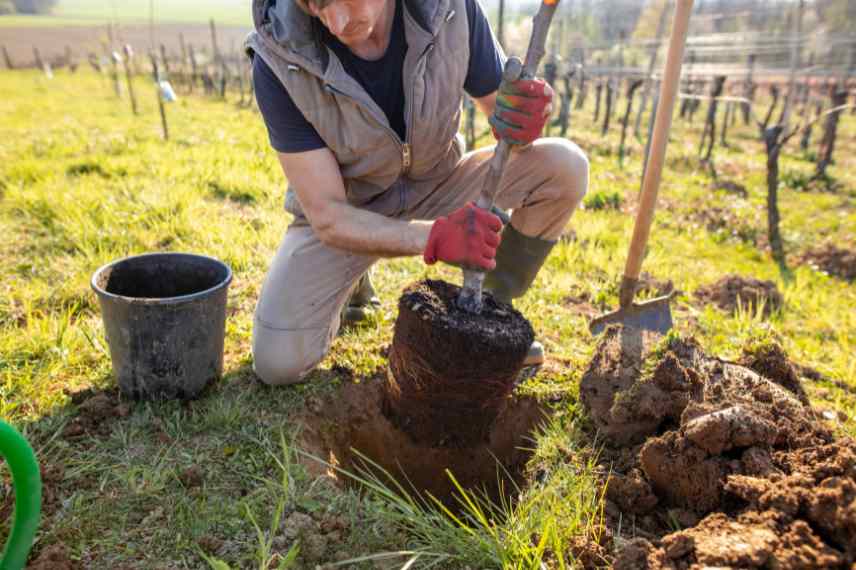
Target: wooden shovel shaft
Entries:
(470, 298)
(659, 139)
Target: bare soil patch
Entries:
(726, 221)
(52, 40)
(733, 291)
(54, 557)
(353, 422)
(750, 472)
(832, 260)
(95, 411)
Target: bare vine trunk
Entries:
(610, 94)
(631, 90)
(773, 144)
(838, 94)
(709, 133)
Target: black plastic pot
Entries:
(165, 318)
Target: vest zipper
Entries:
(406, 146)
(405, 157)
(383, 122)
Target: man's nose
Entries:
(337, 18)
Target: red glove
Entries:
(468, 237)
(522, 108)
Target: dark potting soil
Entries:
(451, 371)
(499, 326)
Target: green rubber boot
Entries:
(518, 260)
(362, 302)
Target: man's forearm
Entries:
(359, 231)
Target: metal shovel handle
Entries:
(470, 298)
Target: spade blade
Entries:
(654, 315)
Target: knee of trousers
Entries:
(568, 167)
(283, 357)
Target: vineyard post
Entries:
(748, 89)
(649, 75)
(161, 106)
(165, 60)
(129, 56)
(8, 59)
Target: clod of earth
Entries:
(733, 291)
(95, 409)
(451, 372)
(54, 557)
(832, 260)
(738, 446)
(354, 426)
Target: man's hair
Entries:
(317, 4)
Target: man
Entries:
(362, 101)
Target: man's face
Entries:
(351, 21)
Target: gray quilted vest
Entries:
(382, 173)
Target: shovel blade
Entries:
(654, 315)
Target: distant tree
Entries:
(34, 6)
(6, 7)
(649, 20)
(838, 15)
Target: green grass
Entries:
(83, 182)
(89, 12)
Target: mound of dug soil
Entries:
(734, 291)
(832, 260)
(733, 456)
(353, 422)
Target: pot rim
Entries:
(103, 293)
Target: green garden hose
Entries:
(28, 496)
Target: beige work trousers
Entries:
(308, 283)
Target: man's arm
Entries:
(486, 104)
(315, 177)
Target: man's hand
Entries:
(522, 108)
(468, 237)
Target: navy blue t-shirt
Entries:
(290, 132)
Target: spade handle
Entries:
(659, 139)
(470, 298)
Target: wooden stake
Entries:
(748, 89)
(8, 59)
(583, 90)
(194, 72)
(116, 59)
(129, 55)
(161, 106)
(649, 76)
(37, 56)
(164, 60)
(500, 33)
